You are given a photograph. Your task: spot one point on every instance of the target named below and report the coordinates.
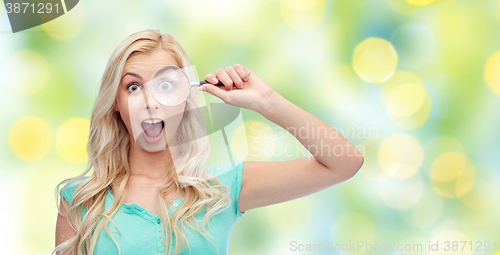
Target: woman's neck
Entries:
(149, 169)
(152, 165)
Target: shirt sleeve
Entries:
(230, 174)
(238, 180)
(234, 179)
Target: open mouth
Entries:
(153, 130)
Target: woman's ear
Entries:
(116, 107)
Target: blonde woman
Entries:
(137, 201)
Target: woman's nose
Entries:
(149, 101)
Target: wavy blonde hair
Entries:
(108, 149)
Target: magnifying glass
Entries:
(170, 85)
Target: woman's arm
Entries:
(64, 231)
(334, 158)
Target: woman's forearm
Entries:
(245, 89)
(327, 145)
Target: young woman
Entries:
(137, 201)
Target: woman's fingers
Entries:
(243, 72)
(232, 76)
(216, 91)
(235, 77)
(224, 78)
(211, 79)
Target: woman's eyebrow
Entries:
(133, 74)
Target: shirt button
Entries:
(175, 204)
(158, 221)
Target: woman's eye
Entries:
(164, 86)
(133, 87)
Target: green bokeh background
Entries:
(53, 71)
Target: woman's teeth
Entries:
(152, 121)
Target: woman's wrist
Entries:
(271, 104)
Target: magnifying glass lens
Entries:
(170, 85)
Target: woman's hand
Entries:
(248, 91)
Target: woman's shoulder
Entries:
(230, 174)
(69, 188)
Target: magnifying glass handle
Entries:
(206, 82)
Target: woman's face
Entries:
(151, 126)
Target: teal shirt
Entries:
(141, 230)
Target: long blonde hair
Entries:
(108, 149)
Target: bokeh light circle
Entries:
(71, 140)
(406, 100)
(491, 73)
(437, 146)
(416, 120)
(420, 2)
(30, 138)
(403, 7)
(448, 167)
(26, 73)
(303, 14)
(400, 156)
(398, 79)
(375, 60)
(452, 175)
